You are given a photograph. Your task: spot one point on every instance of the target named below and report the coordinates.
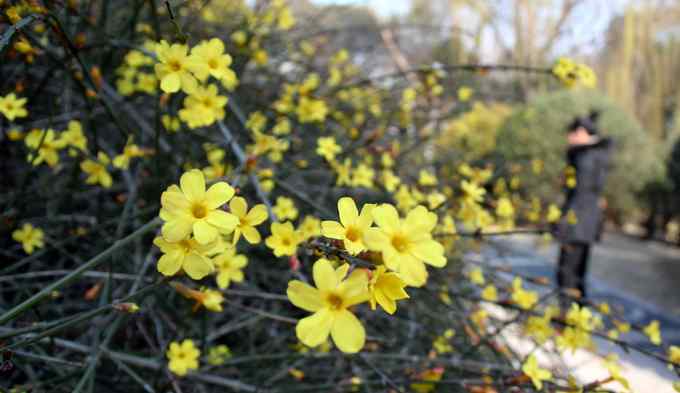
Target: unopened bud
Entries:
(129, 308)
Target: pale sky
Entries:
(586, 33)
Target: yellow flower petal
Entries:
(197, 266)
(251, 234)
(257, 215)
(193, 185)
(386, 216)
(170, 83)
(169, 264)
(333, 230)
(204, 232)
(223, 220)
(314, 329)
(238, 206)
(347, 332)
(176, 230)
(218, 194)
(347, 210)
(304, 296)
(431, 252)
(324, 275)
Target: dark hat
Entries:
(588, 122)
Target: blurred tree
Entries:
(640, 63)
(537, 131)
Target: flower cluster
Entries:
(573, 74)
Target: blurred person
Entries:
(582, 213)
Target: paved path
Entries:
(640, 278)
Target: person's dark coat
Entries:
(591, 163)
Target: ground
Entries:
(640, 278)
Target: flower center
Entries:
(212, 63)
(352, 234)
(334, 301)
(199, 211)
(174, 65)
(399, 242)
(286, 241)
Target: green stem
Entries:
(91, 264)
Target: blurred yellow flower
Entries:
(176, 68)
(183, 357)
(96, 170)
(12, 107)
(229, 267)
(284, 239)
(248, 219)
(537, 375)
(30, 237)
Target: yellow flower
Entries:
(310, 227)
(170, 123)
(96, 170)
(327, 148)
(12, 107)
(187, 255)
(285, 209)
(477, 276)
(176, 68)
(248, 219)
(208, 298)
(203, 107)
(441, 344)
(472, 193)
(310, 110)
(239, 37)
(192, 209)
(580, 317)
(385, 288)
(554, 213)
(329, 303)
(435, 199)
(47, 144)
(257, 122)
(539, 328)
(282, 126)
(524, 299)
(464, 93)
(342, 172)
(504, 209)
(612, 364)
(211, 53)
(229, 267)
(29, 237)
(130, 151)
(652, 331)
(406, 244)
(284, 239)
(363, 176)
(426, 178)
(490, 293)
(674, 354)
(352, 225)
(390, 180)
(538, 375)
(183, 357)
(218, 355)
(74, 137)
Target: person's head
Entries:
(583, 129)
